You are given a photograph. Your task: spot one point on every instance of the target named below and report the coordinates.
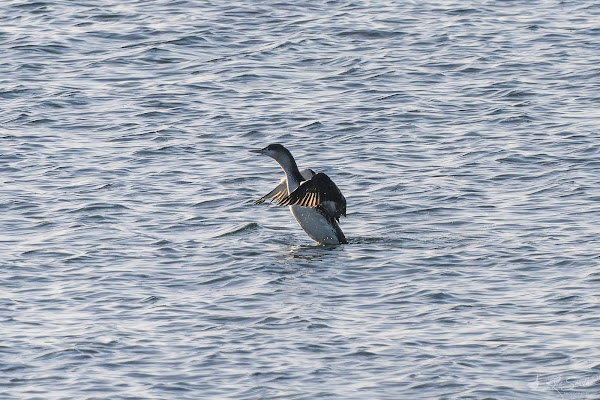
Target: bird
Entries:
(314, 200)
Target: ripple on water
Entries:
(464, 139)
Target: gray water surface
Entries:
(465, 137)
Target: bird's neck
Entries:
(293, 175)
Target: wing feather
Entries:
(281, 190)
(317, 192)
(278, 193)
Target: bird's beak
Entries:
(259, 151)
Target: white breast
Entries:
(309, 219)
(315, 225)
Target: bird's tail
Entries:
(340, 234)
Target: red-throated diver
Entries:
(315, 201)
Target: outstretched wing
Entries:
(281, 190)
(318, 192)
(278, 193)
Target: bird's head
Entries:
(276, 152)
